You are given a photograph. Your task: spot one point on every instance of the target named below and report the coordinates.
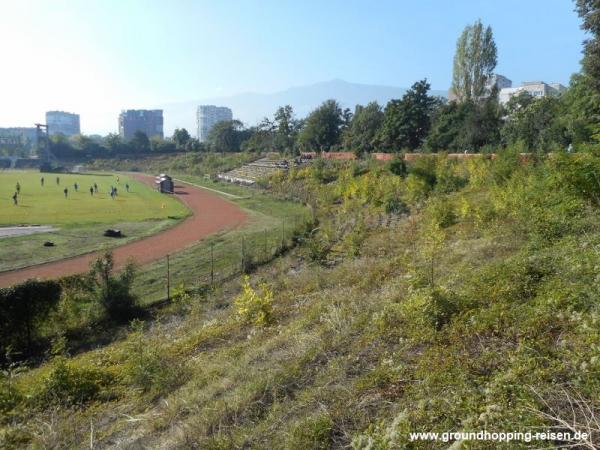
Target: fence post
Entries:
(168, 280)
(212, 264)
(243, 256)
(282, 233)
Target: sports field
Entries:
(47, 204)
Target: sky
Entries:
(96, 57)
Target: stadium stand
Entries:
(250, 173)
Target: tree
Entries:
(261, 137)
(474, 62)
(61, 147)
(194, 145)
(181, 137)
(466, 126)
(114, 142)
(537, 126)
(360, 134)
(140, 142)
(113, 292)
(580, 110)
(227, 136)
(160, 145)
(87, 145)
(406, 122)
(517, 102)
(589, 11)
(286, 128)
(321, 130)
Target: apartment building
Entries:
(208, 116)
(65, 123)
(148, 121)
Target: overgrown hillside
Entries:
(439, 296)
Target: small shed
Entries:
(164, 184)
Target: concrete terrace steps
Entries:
(250, 173)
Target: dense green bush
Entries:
(23, 310)
(397, 166)
(68, 384)
(424, 168)
(580, 173)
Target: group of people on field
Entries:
(93, 189)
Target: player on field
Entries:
(66, 191)
(14, 197)
(18, 187)
(92, 191)
(42, 180)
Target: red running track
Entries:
(211, 213)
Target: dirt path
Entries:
(211, 213)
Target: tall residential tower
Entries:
(60, 122)
(148, 121)
(208, 116)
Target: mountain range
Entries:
(252, 107)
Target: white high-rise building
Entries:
(208, 116)
(60, 122)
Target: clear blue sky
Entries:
(96, 57)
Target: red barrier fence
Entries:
(339, 156)
(379, 156)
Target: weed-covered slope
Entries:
(474, 308)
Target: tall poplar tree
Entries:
(474, 62)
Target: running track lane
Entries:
(211, 213)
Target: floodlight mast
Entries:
(42, 140)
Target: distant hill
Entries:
(250, 107)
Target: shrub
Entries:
(314, 432)
(67, 384)
(394, 205)
(424, 168)
(318, 246)
(112, 292)
(9, 394)
(441, 211)
(579, 172)
(355, 238)
(148, 367)
(23, 309)
(417, 189)
(445, 178)
(180, 294)
(397, 166)
(255, 307)
(507, 163)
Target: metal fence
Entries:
(219, 259)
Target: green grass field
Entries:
(47, 204)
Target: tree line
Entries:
(472, 119)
